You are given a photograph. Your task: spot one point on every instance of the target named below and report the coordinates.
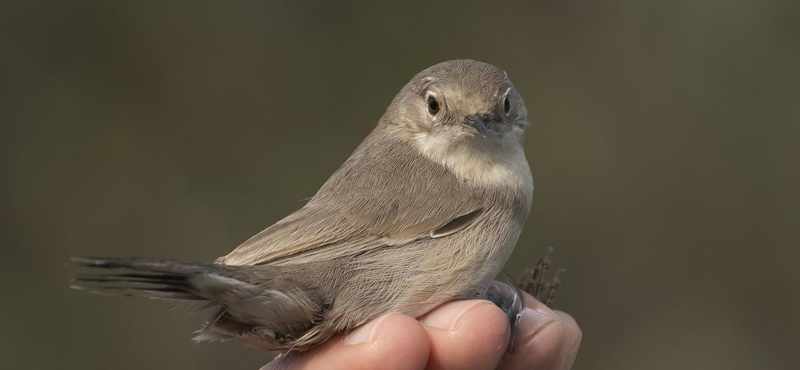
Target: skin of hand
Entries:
(469, 335)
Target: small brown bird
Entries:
(425, 211)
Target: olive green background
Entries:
(664, 147)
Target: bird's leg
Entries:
(534, 281)
(511, 300)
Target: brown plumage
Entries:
(426, 210)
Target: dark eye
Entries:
(507, 106)
(433, 106)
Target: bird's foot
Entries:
(534, 281)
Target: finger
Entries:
(545, 339)
(393, 341)
(466, 335)
(573, 336)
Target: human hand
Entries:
(470, 335)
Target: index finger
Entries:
(392, 341)
(545, 339)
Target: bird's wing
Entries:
(384, 194)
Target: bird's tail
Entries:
(154, 278)
(259, 305)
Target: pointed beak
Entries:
(476, 122)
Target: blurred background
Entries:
(664, 146)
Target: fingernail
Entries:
(364, 333)
(448, 318)
(531, 322)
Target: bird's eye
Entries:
(507, 106)
(433, 105)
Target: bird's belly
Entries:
(416, 277)
(463, 269)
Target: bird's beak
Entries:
(477, 123)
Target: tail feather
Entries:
(133, 278)
(150, 292)
(259, 305)
(149, 264)
(165, 279)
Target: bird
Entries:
(426, 210)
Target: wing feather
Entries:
(384, 194)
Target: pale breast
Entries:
(487, 163)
